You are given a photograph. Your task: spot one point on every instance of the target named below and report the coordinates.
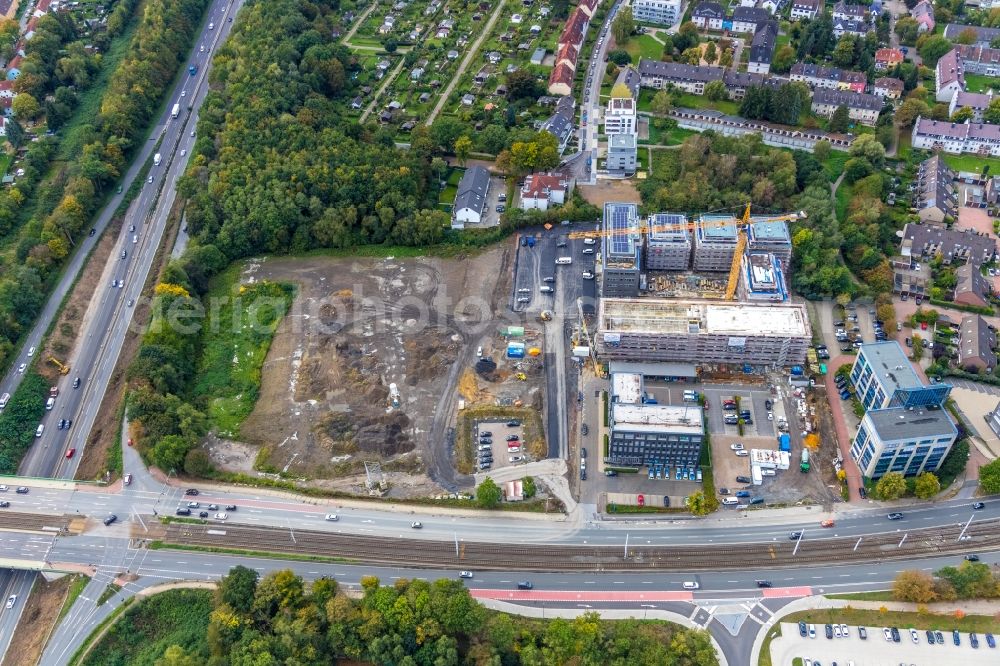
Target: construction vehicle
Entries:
(804, 465)
(63, 368)
(741, 238)
(521, 376)
(545, 316)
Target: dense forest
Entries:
(276, 168)
(279, 620)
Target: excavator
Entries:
(63, 368)
(741, 240)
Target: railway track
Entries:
(983, 536)
(33, 522)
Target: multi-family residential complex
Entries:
(702, 332)
(762, 49)
(926, 241)
(773, 237)
(979, 59)
(971, 287)
(861, 107)
(804, 9)
(956, 138)
(904, 429)
(621, 251)
(715, 240)
(622, 156)
(668, 242)
(977, 345)
(949, 76)
(620, 116)
(935, 197)
(762, 278)
(708, 16)
(831, 78)
(661, 12)
(984, 36)
(887, 87)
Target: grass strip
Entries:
(163, 545)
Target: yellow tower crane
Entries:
(741, 236)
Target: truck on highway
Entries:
(804, 466)
(175, 111)
(156, 159)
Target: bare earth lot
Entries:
(358, 326)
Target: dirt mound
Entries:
(372, 433)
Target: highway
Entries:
(109, 315)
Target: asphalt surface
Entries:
(105, 325)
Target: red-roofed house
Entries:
(14, 67)
(561, 79)
(568, 54)
(588, 7)
(542, 190)
(887, 58)
(42, 8)
(576, 28)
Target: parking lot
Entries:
(502, 451)
(534, 264)
(876, 651)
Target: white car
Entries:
(513, 449)
(31, 352)
(844, 632)
(914, 636)
(183, 152)
(587, 275)
(690, 585)
(742, 454)
(887, 633)
(465, 574)
(332, 517)
(221, 516)
(11, 600)
(736, 447)
(589, 241)
(770, 416)
(3, 489)
(836, 631)
(21, 368)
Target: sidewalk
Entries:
(840, 425)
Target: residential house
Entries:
(971, 288)
(845, 12)
(861, 107)
(470, 200)
(935, 197)
(983, 35)
(356, 103)
(978, 59)
(804, 9)
(762, 48)
(622, 154)
(468, 99)
(817, 76)
(482, 76)
(560, 123)
(977, 344)
(453, 55)
(620, 116)
(956, 138)
(843, 27)
(888, 88)
(747, 19)
(978, 102)
(737, 82)
(544, 190)
(659, 12)
(923, 14)
(575, 30)
(588, 7)
(629, 77)
(773, 6)
(909, 277)
(927, 241)
(949, 76)
(708, 16)
(689, 78)
(561, 79)
(886, 58)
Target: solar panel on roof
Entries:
(621, 242)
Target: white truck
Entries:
(175, 111)
(564, 260)
(156, 159)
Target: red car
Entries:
(69, 454)
(923, 326)
(130, 443)
(642, 501)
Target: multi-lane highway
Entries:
(109, 314)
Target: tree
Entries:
(822, 150)
(840, 120)
(197, 463)
(926, 485)
(25, 107)
(488, 494)
(892, 486)
(620, 57)
(522, 84)
(715, 90)
(843, 53)
(783, 59)
(711, 54)
(697, 503)
(992, 113)
(623, 25)
(932, 50)
(176, 656)
(662, 103)
(390, 45)
(989, 477)
(912, 108)
(868, 147)
(15, 133)
(237, 589)
(445, 130)
(463, 146)
(967, 36)
(528, 486)
(686, 37)
(914, 586)
(907, 28)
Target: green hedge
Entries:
(977, 309)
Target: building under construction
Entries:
(702, 331)
(621, 250)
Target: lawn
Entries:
(903, 620)
(981, 83)
(843, 198)
(700, 102)
(834, 164)
(451, 189)
(239, 327)
(674, 137)
(142, 634)
(972, 163)
(643, 46)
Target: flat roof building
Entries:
(668, 242)
(771, 236)
(626, 388)
(761, 278)
(621, 250)
(714, 243)
(656, 435)
(702, 332)
(885, 379)
(910, 441)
